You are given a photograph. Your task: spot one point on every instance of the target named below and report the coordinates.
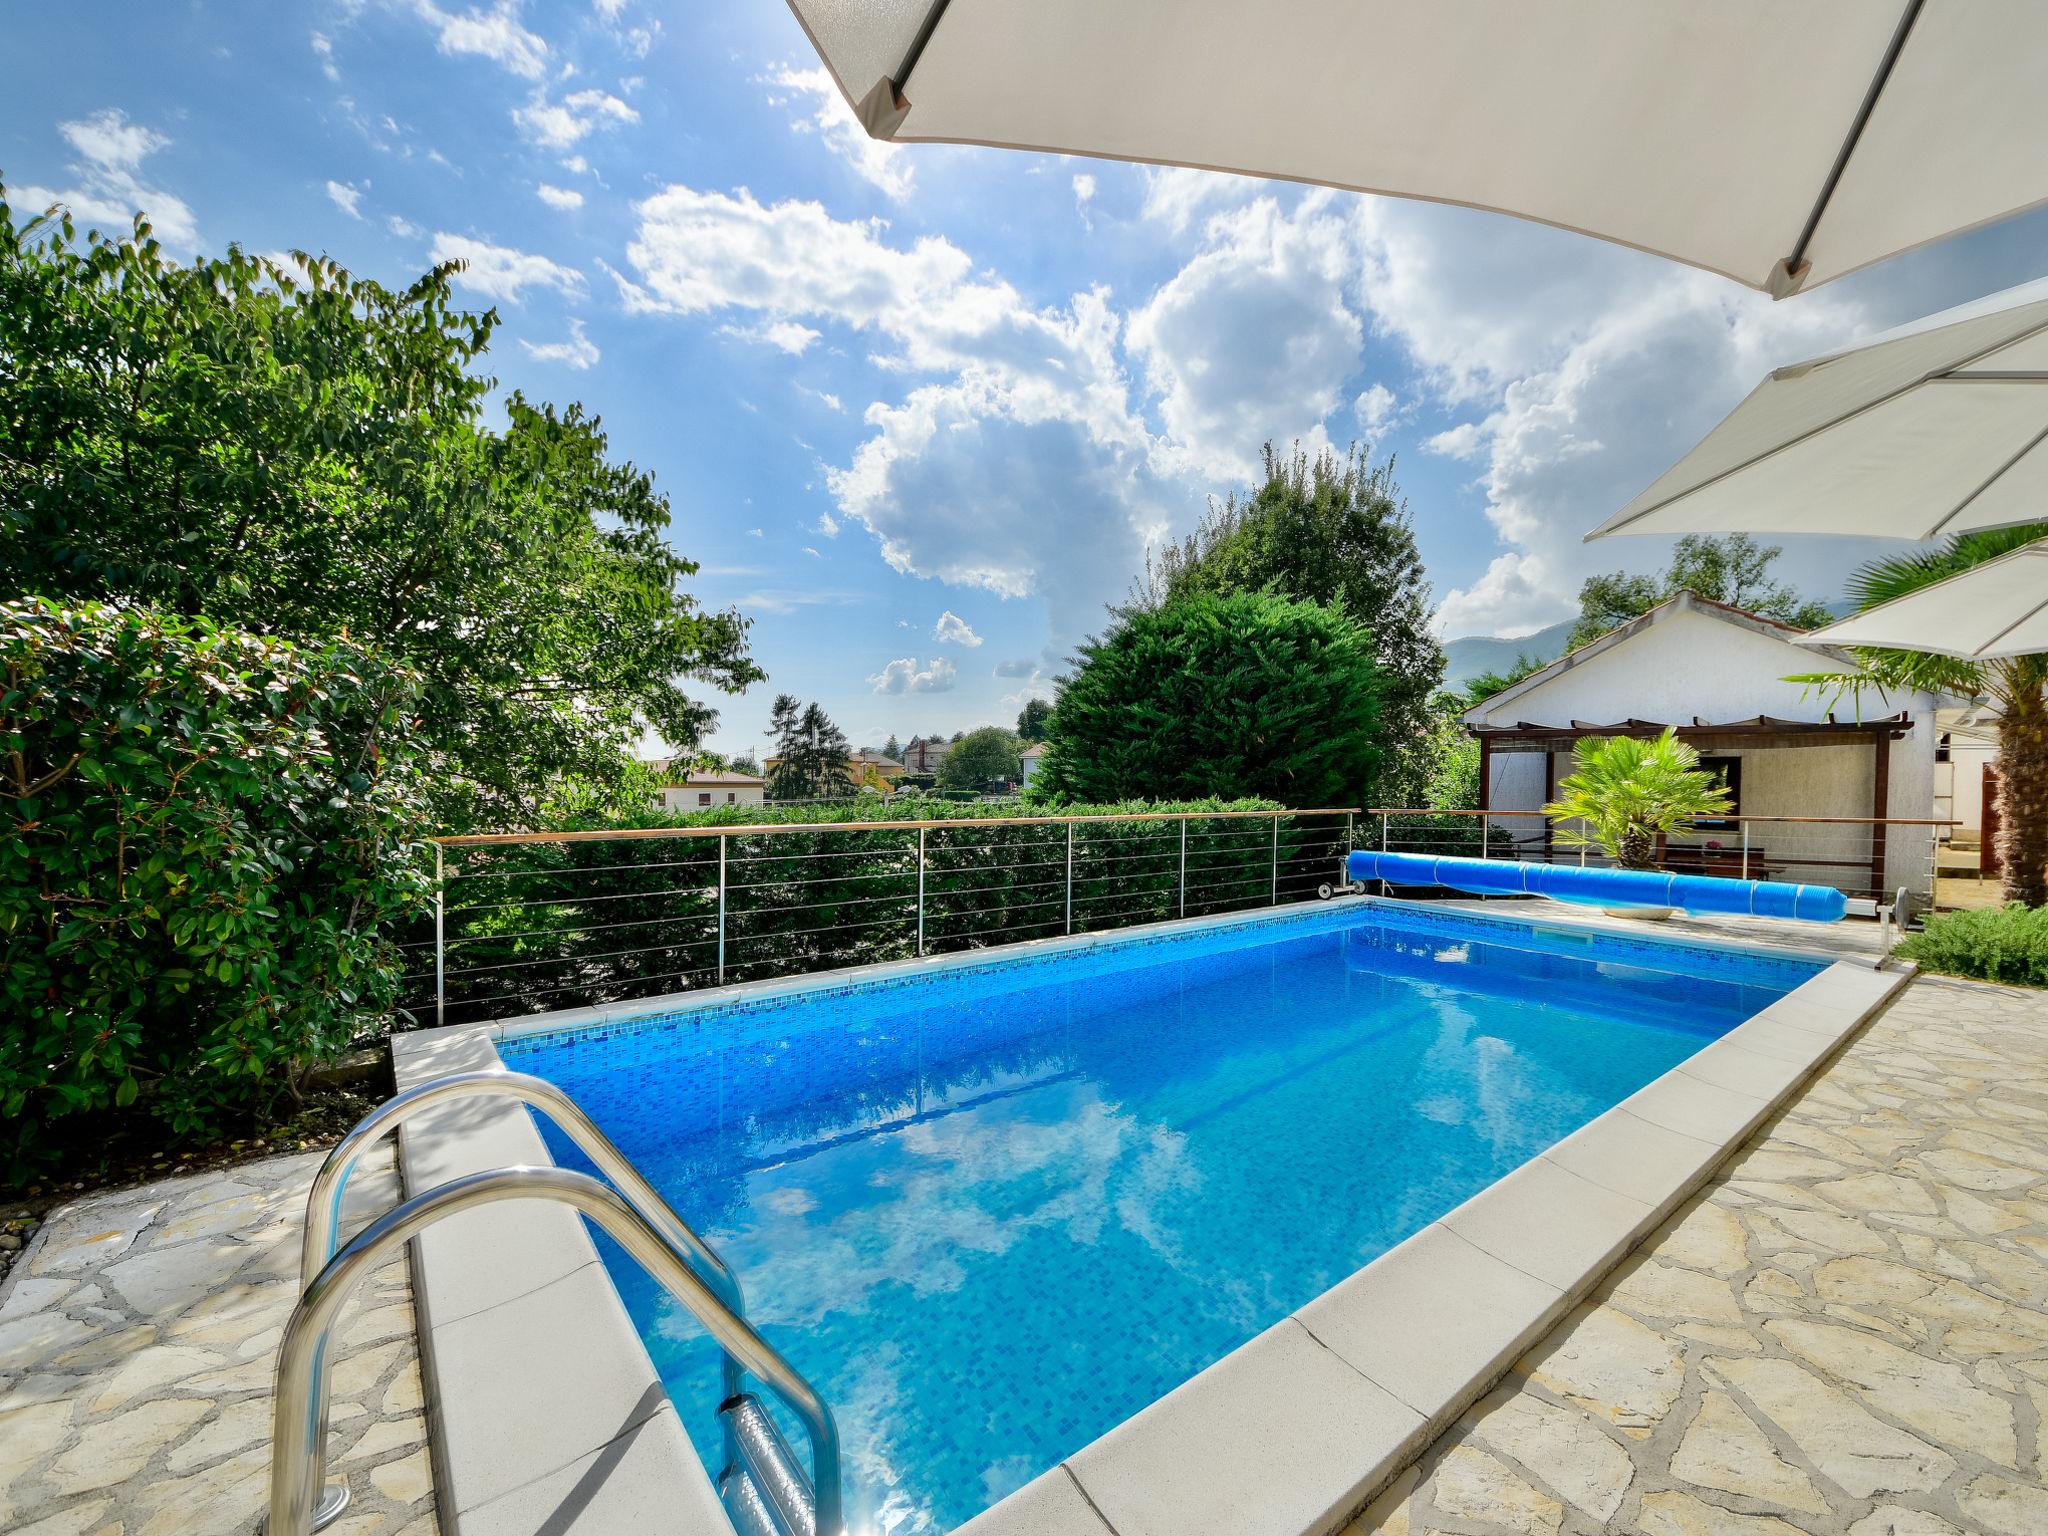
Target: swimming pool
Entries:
(993, 1211)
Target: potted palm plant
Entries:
(1626, 793)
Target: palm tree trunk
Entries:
(2023, 782)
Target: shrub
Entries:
(2008, 943)
(1249, 694)
(209, 834)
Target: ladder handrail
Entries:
(299, 1415)
(323, 1201)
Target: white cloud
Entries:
(501, 272)
(323, 50)
(1175, 195)
(831, 402)
(564, 198)
(575, 165)
(109, 191)
(609, 9)
(875, 161)
(756, 533)
(345, 197)
(904, 676)
(789, 336)
(812, 553)
(972, 477)
(108, 140)
(565, 123)
(1253, 338)
(404, 228)
(578, 352)
(1084, 194)
(954, 630)
(496, 34)
(1022, 666)
(1627, 386)
(1376, 407)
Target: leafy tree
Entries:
(1031, 720)
(1488, 683)
(814, 754)
(1732, 569)
(306, 453)
(1335, 532)
(892, 747)
(2017, 685)
(208, 836)
(982, 760)
(1628, 789)
(1246, 694)
(745, 762)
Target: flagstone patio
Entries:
(138, 1336)
(1845, 1332)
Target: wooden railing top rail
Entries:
(627, 834)
(1704, 822)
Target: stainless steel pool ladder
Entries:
(765, 1490)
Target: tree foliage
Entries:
(1628, 789)
(1732, 569)
(208, 836)
(1489, 683)
(814, 753)
(1249, 694)
(1331, 531)
(2018, 685)
(301, 452)
(1031, 720)
(983, 760)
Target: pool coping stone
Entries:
(1292, 1434)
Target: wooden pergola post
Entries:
(1880, 806)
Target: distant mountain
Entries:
(1466, 658)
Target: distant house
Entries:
(1718, 674)
(702, 789)
(866, 766)
(1030, 757)
(926, 753)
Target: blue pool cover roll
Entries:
(1606, 887)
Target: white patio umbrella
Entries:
(1779, 144)
(1937, 430)
(1999, 608)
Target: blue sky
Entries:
(919, 410)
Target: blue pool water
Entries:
(992, 1212)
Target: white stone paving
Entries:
(1844, 1334)
(137, 1343)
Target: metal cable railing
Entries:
(527, 921)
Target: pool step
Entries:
(766, 1484)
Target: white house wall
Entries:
(1691, 664)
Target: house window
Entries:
(731, 798)
(704, 797)
(1729, 771)
(1943, 749)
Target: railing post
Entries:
(440, 946)
(920, 892)
(1486, 834)
(1183, 866)
(721, 908)
(1745, 848)
(1070, 877)
(1276, 859)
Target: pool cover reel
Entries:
(1606, 887)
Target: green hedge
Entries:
(2008, 944)
(534, 926)
(209, 836)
